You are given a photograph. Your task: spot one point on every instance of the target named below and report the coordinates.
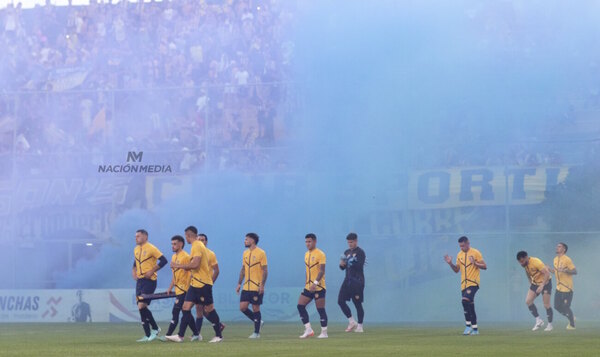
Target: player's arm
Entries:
(551, 269)
(265, 273)
(546, 274)
(162, 261)
(343, 262)
(172, 284)
(448, 260)
(313, 287)
(133, 272)
(215, 272)
(240, 280)
(480, 263)
(193, 264)
(572, 271)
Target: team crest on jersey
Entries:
(144, 253)
(253, 259)
(354, 254)
(313, 259)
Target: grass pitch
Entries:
(281, 339)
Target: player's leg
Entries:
(471, 291)
(546, 295)
(529, 300)
(175, 313)
(357, 299)
(257, 315)
(304, 299)
(244, 303)
(320, 304)
(211, 314)
(150, 288)
(142, 308)
(568, 312)
(344, 296)
(186, 317)
(256, 302)
(467, 311)
(199, 320)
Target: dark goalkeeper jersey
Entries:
(355, 262)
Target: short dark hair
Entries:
(352, 236)
(564, 245)
(203, 235)
(179, 239)
(143, 231)
(192, 229)
(463, 239)
(311, 236)
(521, 254)
(253, 236)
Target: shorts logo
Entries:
(255, 298)
(316, 296)
(357, 297)
(176, 301)
(202, 298)
(566, 301)
(468, 291)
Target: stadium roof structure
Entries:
(29, 4)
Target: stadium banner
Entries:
(120, 305)
(482, 186)
(67, 78)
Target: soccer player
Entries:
(214, 266)
(314, 288)
(469, 262)
(144, 271)
(181, 283)
(353, 261)
(254, 272)
(563, 271)
(200, 291)
(541, 283)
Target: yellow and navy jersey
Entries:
(212, 260)
(313, 259)
(253, 261)
(202, 275)
(146, 256)
(181, 277)
(534, 271)
(469, 272)
(564, 281)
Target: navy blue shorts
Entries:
(547, 288)
(318, 294)
(200, 296)
(469, 293)
(351, 289)
(145, 286)
(252, 297)
(179, 299)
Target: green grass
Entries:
(281, 339)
